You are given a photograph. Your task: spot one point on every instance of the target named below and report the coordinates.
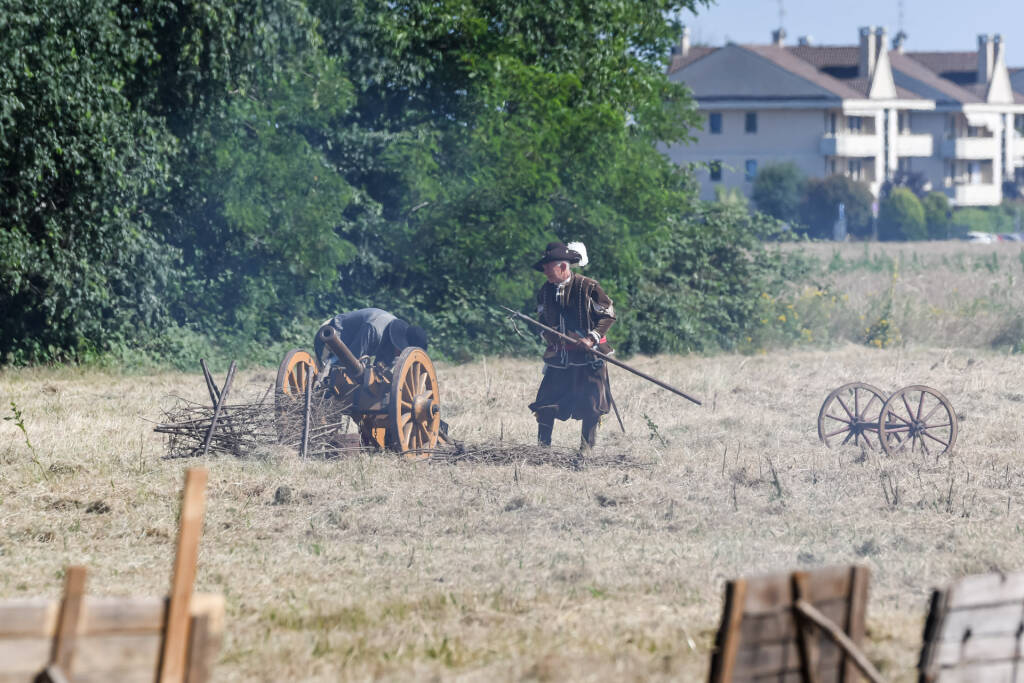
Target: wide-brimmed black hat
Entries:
(403, 335)
(557, 251)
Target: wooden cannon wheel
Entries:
(849, 414)
(919, 417)
(414, 413)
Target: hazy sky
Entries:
(930, 24)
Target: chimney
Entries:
(898, 41)
(868, 52)
(805, 41)
(779, 37)
(684, 41)
(986, 57)
(881, 39)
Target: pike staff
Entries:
(603, 356)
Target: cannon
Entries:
(914, 418)
(397, 407)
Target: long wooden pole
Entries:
(603, 356)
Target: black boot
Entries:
(544, 433)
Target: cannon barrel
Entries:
(329, 336)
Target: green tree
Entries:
(778, 191)
(820, 207)
(79, 161)
(483, 129)
(936, 215)
(703, 280)
(901, 217)
(258, 206)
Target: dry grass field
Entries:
(949, 294)
(377, 568)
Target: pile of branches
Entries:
(247, 428)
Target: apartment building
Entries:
(867, 111)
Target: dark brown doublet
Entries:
(575, 384)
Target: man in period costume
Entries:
(575, 384)
(372, 332)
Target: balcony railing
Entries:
(970, 148)
(914, 145)
(975, 194)
(851, 145)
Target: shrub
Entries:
(901, 217)
(820, 207)
(778, 190)
(936, 215)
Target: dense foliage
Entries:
(180, 174)
(779, 190)
(820, 208)
(901, 216)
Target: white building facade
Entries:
(864, 111)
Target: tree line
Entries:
(229, 173)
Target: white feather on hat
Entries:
(580, 249)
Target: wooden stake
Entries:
(217, 408)
(67, 622)
(732, 619)
(307, 404)
(176, 632)
(210, 384)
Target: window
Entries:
(750, 123)
(975, 132)
(751, 167)
(715, 123)
(903, 164)
(854, 124)
(716, 170)
(831, 123)
(854, 168)
(1018, 123)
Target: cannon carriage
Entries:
(397, 407)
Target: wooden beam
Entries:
(199, 648)
(809, 612)
(856, 615)
(172, 665)
(67, 622)
(806, 634)
(729, 634)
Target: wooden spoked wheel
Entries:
(414, 413)
(918, 418)
(850, 414)
(295, 372)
